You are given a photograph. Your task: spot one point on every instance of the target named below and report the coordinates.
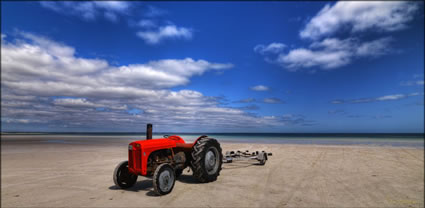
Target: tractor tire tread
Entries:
(198, 152)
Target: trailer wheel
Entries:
(122, 177)
(164, 179)
(263, 158)
(207, 159)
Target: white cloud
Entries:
(260, 88)
(271, 48)
(57, 62)
(22, 121)
(374, 48)
(391, 97)
(119, 6)
(18, 97)
(378, 99)
(74, 102)
(89, 10)
(37, 70)
(165, 32)
(272, 100)
(150, 31)
(305, 58)
(145, 23)
(337, 101)
(334, 44)
(328, 51)
(358, 17)
(332, 53)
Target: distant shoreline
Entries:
(390, 140)
(229, 134)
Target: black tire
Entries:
(264, 160)
(122, 177)
(164, 179)
(203, 149)
(179, 172)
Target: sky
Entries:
(284, 67)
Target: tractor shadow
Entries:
(147, 185)
(143, 185)
(189, 179)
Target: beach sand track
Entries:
(76, 175)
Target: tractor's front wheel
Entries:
(122, 177)
(207, 159)
(164, 179)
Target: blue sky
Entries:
(213, 66)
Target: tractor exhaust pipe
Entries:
(149, 132)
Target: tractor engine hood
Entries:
(161, 143)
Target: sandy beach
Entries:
(39, 173)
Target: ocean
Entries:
(396, 140)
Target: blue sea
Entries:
(395, 140)
(405, 140)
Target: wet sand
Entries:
(72, 173)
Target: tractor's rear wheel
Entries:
(206, 159)
(122, 177)
(164, 179)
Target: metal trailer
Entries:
(261, 157)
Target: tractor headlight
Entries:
(130, 147)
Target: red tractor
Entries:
(165, 159)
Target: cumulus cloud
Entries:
(306, 58)
(328, 50)
(332, 53)
(57, 62)
(358, 17)
(165, 32)
(45, 80)
(271, 48)
(260, 88)
(22, 121)
(89, 10)
(74, 102)
(149, 29)
(374, 48)
(378, 99)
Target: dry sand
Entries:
(80, 175)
